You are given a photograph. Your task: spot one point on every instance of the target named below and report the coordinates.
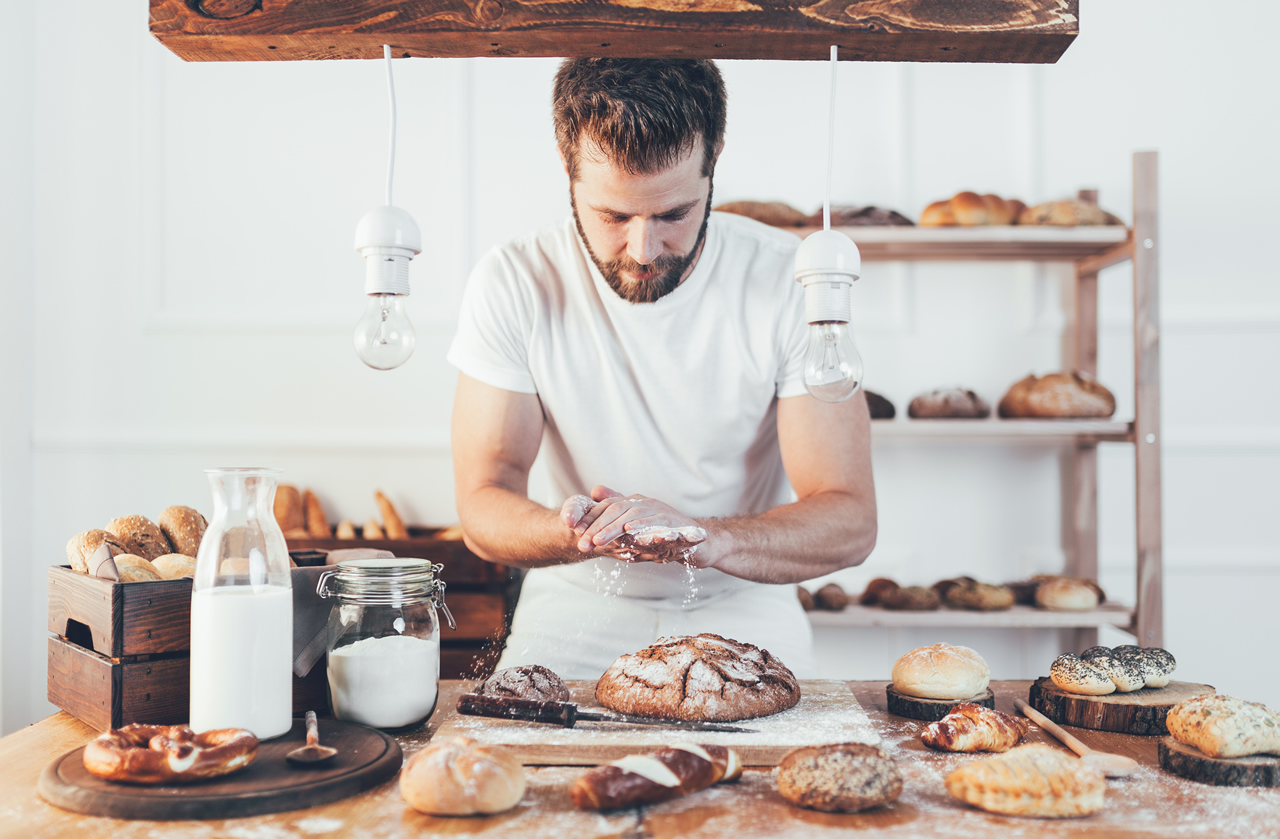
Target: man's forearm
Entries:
(503, 526)
(822, 533)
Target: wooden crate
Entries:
(118, 619)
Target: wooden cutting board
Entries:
(1140, 712)
(1190, 762)
(365, 758)
(827, 712)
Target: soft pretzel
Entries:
(659, 776)
(164, 754)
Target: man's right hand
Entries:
(631, 528)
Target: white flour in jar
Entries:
(386, 682)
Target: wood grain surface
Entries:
(1018, 31)
(1152, 803)
(1190, 762)
(270, 784)
(827, 712)
(929, 710)
(1141, 712)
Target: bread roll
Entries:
(831, 598)
(1074, 675)
(345, 530)
(777, 213)
(805, 598)
(392, 524)
(948, 403)
(910, 599)
(372, 530)
(1065, 594)
(869, 216)
(1156, 664)
(876, 590)
(288, 509)
(1223, 726)
(878, 406)
(84, 545)
(142, 534)
(941, 671)
(461, 777)
(970, 209)
(317, 524)
(135, 569)
(1057, 395)
(175, 566)
(839, 778)
(1067, 214)
(1031, 780)
(526, 681)
(980, 597)
(184, 528)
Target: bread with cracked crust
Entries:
(1031, 780)
(698, 677)
(1223, 726)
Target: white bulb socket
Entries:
(388, 238)
(827, 265)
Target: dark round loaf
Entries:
(526, 681)
(951, 403)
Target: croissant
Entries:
(974, 728)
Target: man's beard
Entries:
(670, 267)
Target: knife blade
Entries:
(567, 714)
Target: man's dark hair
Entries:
(644, 114)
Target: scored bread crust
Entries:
(698, 677)
(1031, 780)
(1071, 395)
(941, 671)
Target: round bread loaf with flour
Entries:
(941, 671)
(839, 778)
(698, 677)
(140, 532)
(184, 528)
(462, 777)
(526, 681)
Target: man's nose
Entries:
(643, 243)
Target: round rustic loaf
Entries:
(141, 534)
(184, 527)
(698, 677)
(911, 599)
(1061, 395)
(980, 597)
(1065, 594)
(174, 566)
(526, 681)
(461, 777)
(949, 403)
(941, 671)
(84, 545)
(839, 778)
(831, 598)
(878, 406)
(135, 569)
(876, 590)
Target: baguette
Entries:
(313, 513)
(392, 524)
(659, 776)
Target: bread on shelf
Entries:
(1065, 395)
(776, 213)
(948, 403)
(969, 209)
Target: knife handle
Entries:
(557, 713)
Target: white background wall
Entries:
(179, 290)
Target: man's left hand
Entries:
(637, 528)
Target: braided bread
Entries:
(162, 754)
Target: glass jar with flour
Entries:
(383, 639)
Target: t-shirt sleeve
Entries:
(494, 325)
(793, 339)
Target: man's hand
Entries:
(632, 528)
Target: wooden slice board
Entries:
(930, 710)
(1190, 762)
(366, 758)
(1140, 712)
(827, 712)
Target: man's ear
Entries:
(716, 159)
(563, 161)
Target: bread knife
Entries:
(567, 714)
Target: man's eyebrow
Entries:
(676, 210)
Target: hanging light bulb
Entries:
(827, 264)
(387, 237)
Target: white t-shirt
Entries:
(674, 399)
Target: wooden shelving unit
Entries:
(1090, 250)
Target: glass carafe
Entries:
(242, 611)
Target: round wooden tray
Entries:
(1190, 762)
(1140, 712)
(930, 710)
(366, 757)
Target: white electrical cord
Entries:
(831, 142)
(391, 93)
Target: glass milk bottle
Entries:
(242, 611)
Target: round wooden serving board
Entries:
(930, 710)
(366, 757)
(1190, 762)
(1140, 712)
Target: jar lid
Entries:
(383, 580)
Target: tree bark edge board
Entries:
(1141, 712)
(930, 710)
(1193, 764)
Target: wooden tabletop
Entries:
(1151, 803)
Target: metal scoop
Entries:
(1113, 766)
(312, 753)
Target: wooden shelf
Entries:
(1108, 614)
(1030, 430)
(1002, 243)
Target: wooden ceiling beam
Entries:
(1004, 31)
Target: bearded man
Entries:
(655, 349)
